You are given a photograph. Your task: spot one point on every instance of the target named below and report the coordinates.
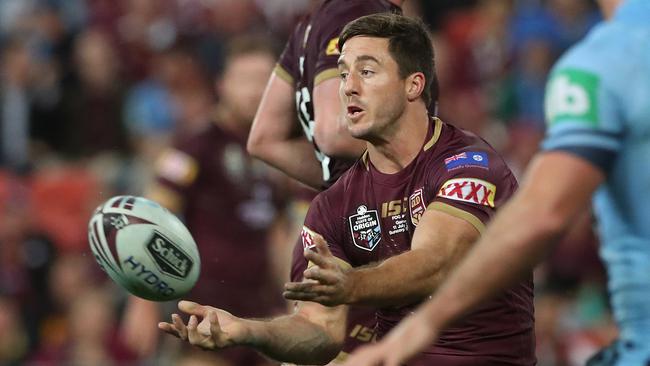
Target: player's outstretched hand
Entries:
(410, 337)
(207, 328)
(324, 281)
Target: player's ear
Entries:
(414, 86)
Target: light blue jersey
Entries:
(598, 107)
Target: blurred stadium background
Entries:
(92, 90)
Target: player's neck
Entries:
(402, 144)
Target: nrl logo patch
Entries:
(416, 206)
(365, 228)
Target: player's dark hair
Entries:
(408, 43)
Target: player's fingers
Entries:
(323, 276)
(315, 258)
(215, 327)
(320, 295)
(321, 246)
(299, 295)
(192, 333)
(306, 285)
(300, 286)
(180, 326)
(192, 308)
(168, 328)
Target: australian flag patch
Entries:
(468, 159)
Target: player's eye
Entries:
(366, 73)
(343, 75)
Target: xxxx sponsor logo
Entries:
(470, 190)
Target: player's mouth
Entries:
(354, 112)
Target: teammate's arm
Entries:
(439, 242)
(330, 130)
(556, 189)
(270, 137)
(312, 335)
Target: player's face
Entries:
(243, 83)
(372, 92)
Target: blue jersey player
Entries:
(597, 147)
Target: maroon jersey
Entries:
(368, 216)
(310, 56)
(229, 205)
(361, 320)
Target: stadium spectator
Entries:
(596, 139)
(412, 162)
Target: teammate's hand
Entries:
(324, 282)
(409, 338)
(208, 327)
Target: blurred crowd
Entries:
(93, 91)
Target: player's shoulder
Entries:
(463, 153)
(459, 144)
(608, 49)
(206, 138)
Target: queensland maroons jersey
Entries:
(229, 206)
(368, 216)
(310, 57)
(598, 108)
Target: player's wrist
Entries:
(250, 333)
(352, 293)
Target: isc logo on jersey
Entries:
(469, 190)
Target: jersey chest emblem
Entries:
(416, 206)
(365, 228)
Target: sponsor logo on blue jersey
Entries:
(467, 159)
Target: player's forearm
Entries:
(400, 280)
(338, 142)
(293, 339)
(293, 157)
(506, 253)
(556, 188)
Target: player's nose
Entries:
(351, 85)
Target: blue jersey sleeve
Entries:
(583, 111)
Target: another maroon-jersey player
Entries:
(305, 84)
(227, 201)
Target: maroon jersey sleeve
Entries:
(471, 185)
(323, 219)
(287, 66)
(178, 167)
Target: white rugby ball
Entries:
(144, 248)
